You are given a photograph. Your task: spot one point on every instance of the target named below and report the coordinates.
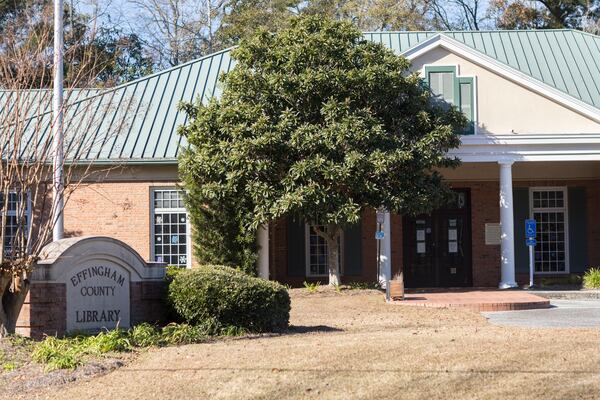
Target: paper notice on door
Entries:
(451, 234)
(452, 247)
(420, 248)
(420, 234)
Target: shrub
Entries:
(591, 278)
(229, 298)
(172, 271)
(312, 287)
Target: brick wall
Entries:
(484, 209)
(148, 302)
(117, 209)
(44, 311)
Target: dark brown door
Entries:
(437, 247)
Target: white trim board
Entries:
(528, 147)
(506, 71)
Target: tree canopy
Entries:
(317, 123)
(103, 56)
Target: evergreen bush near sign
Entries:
(229, 298)
(316, 123)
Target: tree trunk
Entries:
(12, 302)
(333, 254)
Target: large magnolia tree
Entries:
(316, 123)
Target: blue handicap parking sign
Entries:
(379, 235)
(530, 228)
(530, 242)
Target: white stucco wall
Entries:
(505, 107)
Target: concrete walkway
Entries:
(561, 314)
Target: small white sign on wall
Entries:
(493, 233)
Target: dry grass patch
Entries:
(353, 345)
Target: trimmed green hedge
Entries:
(229, 297)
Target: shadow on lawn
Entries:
(300, 329)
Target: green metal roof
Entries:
(137, 121)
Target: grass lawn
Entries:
(353, 345)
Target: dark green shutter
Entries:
(353, 250)
(466, 103)
(296, 247)
(521, 213)
(577, 230)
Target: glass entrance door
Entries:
(437, 247)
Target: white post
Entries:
(263, 251)
(385, 273)
(530, 266)
(507, 258)
(57, 126)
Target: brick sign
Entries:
(98, 297)
(90, 284)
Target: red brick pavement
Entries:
(476, 300)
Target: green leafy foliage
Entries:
(219, 233)
(312, 287)
(315, 122)
(172, 271)
(70, 352)
(223, 297)
(591, 278)
(364, 286)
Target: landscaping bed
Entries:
(20, 374)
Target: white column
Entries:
(385, 273)
(507, 246)
(263, 251)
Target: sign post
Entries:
(379, 235)
(530, 241)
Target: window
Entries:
(549, 209)
(452, 90)
(18, 207)
(169, 228)
(316, 252)
(442, 85)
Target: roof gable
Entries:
(566, 60)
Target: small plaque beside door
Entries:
(493, 233)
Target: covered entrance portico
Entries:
(505, 179)
(551, 178)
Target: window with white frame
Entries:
(18, 218)
(549, 209)
(317, 263)
(169, 228)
